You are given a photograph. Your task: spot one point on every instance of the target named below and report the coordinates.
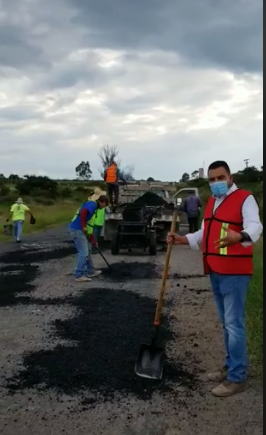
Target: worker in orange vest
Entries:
(112, 177)
(230, 227)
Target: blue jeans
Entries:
(230, 293)
(97, 231)
(84, 263)
(18, 228)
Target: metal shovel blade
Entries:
(150, 362)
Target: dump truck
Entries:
(163, 218)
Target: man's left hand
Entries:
(232, 238)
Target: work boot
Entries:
(227, 389)
(218, 376)
(83, 279)
(94, 274)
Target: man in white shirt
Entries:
(230, 227)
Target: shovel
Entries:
(103, 257)
(150, 361)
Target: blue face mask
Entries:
(219, 188)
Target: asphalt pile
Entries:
(23, 256)
(108, 329)
(123, 271)
(14, 280)
(150, 199)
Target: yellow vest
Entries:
(90, 223)
(100, 217)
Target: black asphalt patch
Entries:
(36, 255)
(180, 276)
(14, 280)
(108, 329)
(128, 271)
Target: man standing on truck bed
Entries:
(229, 230)
(111, 177)
(192, 205)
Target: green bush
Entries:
(44, 201)
(66, 192)
(4, 190)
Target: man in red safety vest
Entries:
(230, 227)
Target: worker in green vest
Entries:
(99, 218)
(98, 226)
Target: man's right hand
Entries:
(176, 239)
(85, 231)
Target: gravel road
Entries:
(68, 350)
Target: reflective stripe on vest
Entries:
(223, 234)
(111, 174)
(90, 224)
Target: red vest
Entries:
(233, 260)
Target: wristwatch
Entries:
(245, 237)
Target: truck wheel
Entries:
(153, 244)
(115, 244)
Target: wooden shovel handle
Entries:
(165, 274)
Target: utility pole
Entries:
(247, 162)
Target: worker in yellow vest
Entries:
(81, 230)
(17, 214)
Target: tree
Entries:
(108, 154)
(37, 186)
(127, 173)
(83, 171)
(150, 179)
(195, 174)
(249, 175)
(13, 178)
(185, 177)
(2, 179)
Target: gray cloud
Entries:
(222, 32)
(172, 83)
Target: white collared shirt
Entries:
(251, 221)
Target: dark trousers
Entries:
(193, 224)
(113, 193)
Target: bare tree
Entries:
(108, 154)
(127, 173)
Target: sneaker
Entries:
(94, 274)
(83, 279)
(218, 376)
(227, 389)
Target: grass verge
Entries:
(46, 217)
(255, 312)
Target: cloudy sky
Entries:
(172, 83)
